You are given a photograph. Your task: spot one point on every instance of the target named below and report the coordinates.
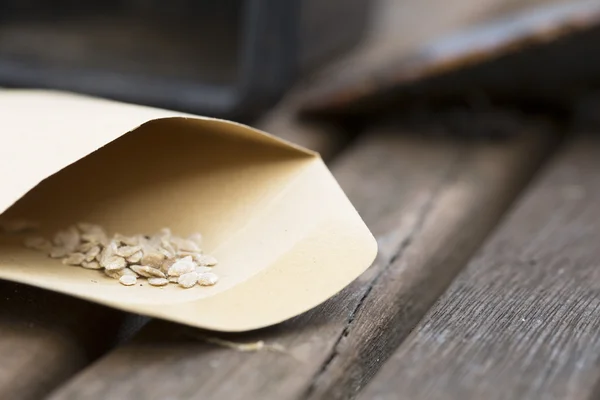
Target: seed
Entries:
(58, 252)
(167, 248)
(119, 273)
(95, 237)
(38, 243)
(166, 264)
(167, 253)
(158, 281)
(113, 263)
(68, 238)
(91, 265)
(201, 270)
(128, 280)
(184, 245)
(153, 259)
(205, 260)
(109, 251)
(207, 279)
(128, 251)
(114, 274)
(127, 240)
(74, 259)
(135, 257)
(188, 280)
(147, 271)
(93, 234)
(84, 247)
(182, 266)
(92, 253)
(193, 254)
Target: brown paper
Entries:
(285, 235)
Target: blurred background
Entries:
(237, 59)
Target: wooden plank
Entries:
(430, 200)
(521, 321)
(46, 337)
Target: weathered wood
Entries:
(46, 337)
(430, 200)
(521, 322)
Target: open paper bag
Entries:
(285, 235)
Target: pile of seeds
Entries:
(161, 259)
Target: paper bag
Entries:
(285, 235)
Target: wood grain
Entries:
(430, 200)
(521, 322)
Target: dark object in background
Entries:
(547, 53)
(224, 58)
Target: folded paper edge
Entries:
(175, 114)
(239, 129)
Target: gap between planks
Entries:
(429, 200)
(521, 321)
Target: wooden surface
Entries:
(47, 337)
(521, 322)
(417, 53)
(429, 199)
